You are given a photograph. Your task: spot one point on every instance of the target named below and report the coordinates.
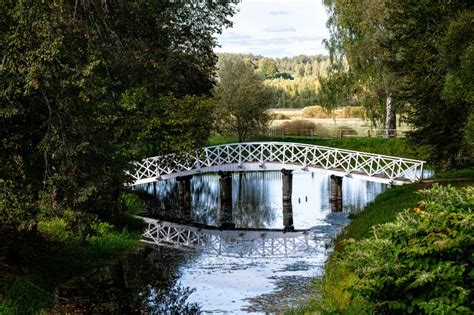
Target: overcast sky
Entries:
(277, 28)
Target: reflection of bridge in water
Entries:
(260, 156)
(232, 242)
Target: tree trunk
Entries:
(390, 118)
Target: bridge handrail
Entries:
(295, 143)
(322, 157)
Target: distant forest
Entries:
(293, 80)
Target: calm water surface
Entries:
(160, 279)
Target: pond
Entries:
(158, 279)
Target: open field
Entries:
(297, 114)
(342, 123)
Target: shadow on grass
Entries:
(47, 263)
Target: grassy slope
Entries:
(330, 294)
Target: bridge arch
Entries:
(258, 156)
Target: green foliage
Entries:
(109, 243)
(336, 90)
(243, 100)
(58, 255)
(267, 68)
(296, 85)
(458, 53)
(24, 297)
(469, 134)
(456, 173)
(173, 124)
(383, 209)
(335, 298)
(57, 229)
(88, 87)
(433, 64)
(132, 203)
(297, 93)
(418, 263)
(359, 58)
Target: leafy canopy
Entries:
(88, 87)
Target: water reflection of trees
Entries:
(252, 204)
(257, 197)
(136, 284)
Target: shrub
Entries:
(298, 127)
(132, 202)
(315, 112)
(279, 116)
(350, 112)
(112, 243)
(421, 262)
(56, 229)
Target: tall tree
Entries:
(356, 38)
(242, 98)
(432, 56)
(73, 77)
(267, 68)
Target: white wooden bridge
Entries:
(232, 243)
(257, 156)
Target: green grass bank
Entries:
(59, 250)
(332, 292)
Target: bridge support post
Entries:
(287, 205)
(225, 213)
(336, 193)
(184, 196)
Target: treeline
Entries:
(294, 81)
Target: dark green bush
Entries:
(421, 262)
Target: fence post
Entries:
(342, 133)
(368, 133)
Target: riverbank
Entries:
(333, 292)
(55, 253)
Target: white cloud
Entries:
(277, 28)
(280, 29)
(278, 12)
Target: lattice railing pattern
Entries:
(232, 243)
(280, 153)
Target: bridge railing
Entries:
(282, 153)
